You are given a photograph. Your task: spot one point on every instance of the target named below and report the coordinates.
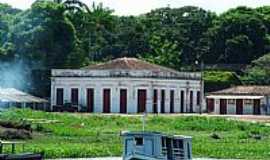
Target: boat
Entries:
(156, 146)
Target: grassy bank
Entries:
(85, 135)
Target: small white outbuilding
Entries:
(240, 100)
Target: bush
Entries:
(15, 134)
(16, 125)
(216, 80)
(215, 136)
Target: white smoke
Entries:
(15, 74)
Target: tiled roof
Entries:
(126, 67)
(129, 64)
(244, 90)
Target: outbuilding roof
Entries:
(14, 95)
(244, 90)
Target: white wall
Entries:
(132, 85)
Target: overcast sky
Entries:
(135, 7)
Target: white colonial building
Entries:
(127, 85)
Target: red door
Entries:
(141, 100)
(210, 105)
(223, 106)
(256, 107)
(75, 96)
(239, 106)
(123, 101)
(155, 101)
(106, 100)
(90, 100)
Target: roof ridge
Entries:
(132, 63)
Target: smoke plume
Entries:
(15, 74)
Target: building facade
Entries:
(240, 100)
(127, 85)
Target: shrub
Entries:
(216, 80)
(215, 136)
(15, 134)
(16, 125)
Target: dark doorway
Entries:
(141, 100)
(223, 106)
(198, 98)
(172, 101)
(75, 96)
(123, 101)
(90, 100)
(191, 101)
(256, 107)
(106, 101)
(169, 148)
(210, 105)
(59, 96)
(162, 101)
(182, 101)
(155, 101)
(239, 106)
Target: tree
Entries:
(43, 34)
(96, 31)
(7, 10)
(239, 36)
(130, 39)
(163, 52)
(258, 72)
(7, 13)
(187, 25)
(43, 38)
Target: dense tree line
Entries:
(70, 34)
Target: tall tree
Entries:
(96, 31)
(44, 38)
(239, 36)
(163, 52)
(131, 39)
(44, 34)
(7, 13)
(187, 25)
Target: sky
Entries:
(136, 7)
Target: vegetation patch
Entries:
(11, 134)
(94, 135)
(16, 124)
(216, 80)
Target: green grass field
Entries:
(85, 135)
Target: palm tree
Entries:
(73, 5)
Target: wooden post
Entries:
(13, 148)
(1, 148)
